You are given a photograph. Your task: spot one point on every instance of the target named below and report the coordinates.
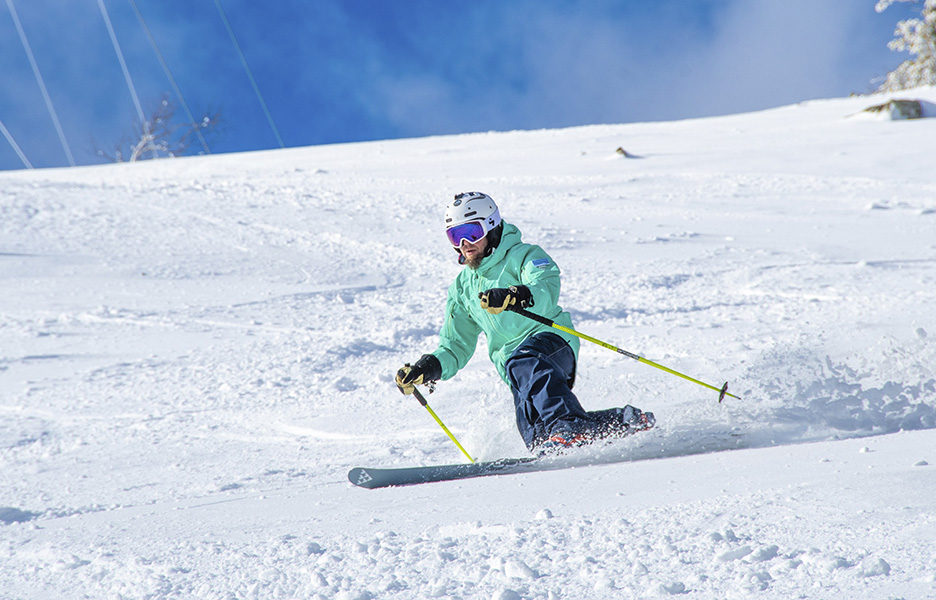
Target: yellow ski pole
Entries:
(422, 401)
(722, 392)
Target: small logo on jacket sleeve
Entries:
(541, 263)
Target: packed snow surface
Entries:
(194, 352)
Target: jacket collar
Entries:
(509, 239)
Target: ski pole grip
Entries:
(419, 396)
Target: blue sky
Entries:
(343, 71)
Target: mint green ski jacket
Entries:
(512, 263)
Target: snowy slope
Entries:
(194, 352)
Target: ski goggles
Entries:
(471, 231)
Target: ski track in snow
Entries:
(194, 352)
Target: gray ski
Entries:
(378, 478)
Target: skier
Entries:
(504, 274)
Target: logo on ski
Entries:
(363, 477)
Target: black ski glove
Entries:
(426, 369)
(497, 300)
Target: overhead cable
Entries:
(39, 80)
(16, 148)
(123, 63)
(253, 82)
(195, 126)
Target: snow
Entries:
(194, 352)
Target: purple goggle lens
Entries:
(472, 232)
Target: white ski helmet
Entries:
(470, 216)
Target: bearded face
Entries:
(474, 252)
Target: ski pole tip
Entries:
(724, 392)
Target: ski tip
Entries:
(360, 477)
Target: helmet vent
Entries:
(471, 213)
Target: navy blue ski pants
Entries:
(541, 372)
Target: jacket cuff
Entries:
(431, 367)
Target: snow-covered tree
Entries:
(161, 136)
(918, 37)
